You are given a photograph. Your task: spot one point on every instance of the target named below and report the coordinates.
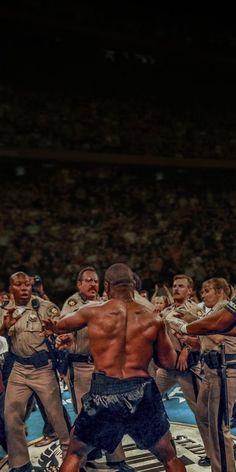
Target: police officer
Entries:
(217, 394)
(188, 310)
(33, 370)
(3, 350)
(81, 364)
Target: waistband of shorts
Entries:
(103, 384)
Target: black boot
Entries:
(121, 466)
(94, 454)
(24, 468)
(204, 461)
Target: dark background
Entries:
(124, 58)
(174, 52)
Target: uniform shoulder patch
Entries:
(53, 310)
(72, 302)
(200, 313)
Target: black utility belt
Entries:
(213, 360)
(39, 359)
(87, 359)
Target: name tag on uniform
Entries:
(33, 317)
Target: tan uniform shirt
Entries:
(81, 340)
(143, 301)
(208, 344)
(25, 335)
(188, 311)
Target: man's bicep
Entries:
(164, 341)
(219, 322)
(163, 345)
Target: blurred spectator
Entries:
(132, 125)
(160, 303)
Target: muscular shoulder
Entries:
(92, 308)
(130, 307)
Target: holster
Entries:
(62, 363)
(212, 359)
(193, 358)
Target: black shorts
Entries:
(114, 407)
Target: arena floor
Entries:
(189, 447)
(188, 441)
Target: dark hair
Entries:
(85, 269)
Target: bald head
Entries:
(119, 274)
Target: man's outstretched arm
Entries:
(77, 320)
(222, 321)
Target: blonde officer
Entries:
(217, 394)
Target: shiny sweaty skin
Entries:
(123, 337)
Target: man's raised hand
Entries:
(49, 327)
(63, 341)
(9, 320)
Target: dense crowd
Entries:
(57, 218)
(134, 125)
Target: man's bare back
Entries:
(123, 398)
(124, 336)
